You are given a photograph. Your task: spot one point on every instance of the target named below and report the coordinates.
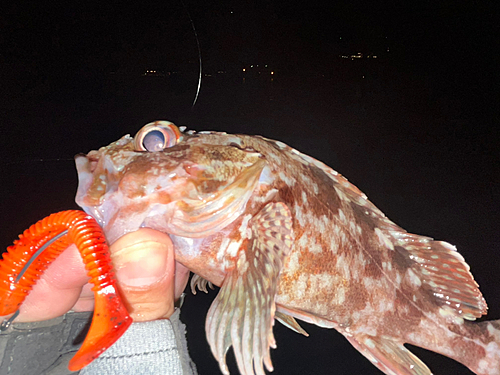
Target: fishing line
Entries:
(199, 54)
(39, 252)
(6, 323)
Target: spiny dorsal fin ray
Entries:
(242, 314)
(388, 355)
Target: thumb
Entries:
(145, 268)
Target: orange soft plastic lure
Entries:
(23, 264)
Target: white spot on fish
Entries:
(293, 263)
(286, 179)
(299, 215)
(280, 145)
(315, 248)
(384, 240)
(244, 230)
(342, 216)
(304, 197)
(233, 248)
(339, 297)
(385, 305)
(344, 267)
(370, 343)
(414, 279)
(310, 184)
(369, 282)
(302, 242)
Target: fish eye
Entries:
(157, 136)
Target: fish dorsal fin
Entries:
(389, 355)
(440, 269)
(289, 322)
(242, 314)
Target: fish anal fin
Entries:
(389, 355)
(289, 322)
(242, 314)
(443, 272)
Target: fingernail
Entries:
(142, 264)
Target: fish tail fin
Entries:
(389, 355)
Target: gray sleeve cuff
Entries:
(150, 348)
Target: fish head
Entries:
(166, 180)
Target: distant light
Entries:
(244, 70)
(340, 38)
(251, 66)
(272, 72)
(387, 49)
(265, 65)
(374, 57)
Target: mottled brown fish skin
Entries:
(282, 232)
(350, 268)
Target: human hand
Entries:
(149, 280)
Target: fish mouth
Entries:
(88, 157)
(86, 167)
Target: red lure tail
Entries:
(17, 276)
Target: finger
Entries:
(181, 279)
(85, 300)
(57, 290)
(145, 268)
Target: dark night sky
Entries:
(417, 129)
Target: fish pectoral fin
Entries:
(209, 212)
(242, 314)
(199, 282)
(290, 322)
(389, 355)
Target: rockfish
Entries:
(286, 237)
